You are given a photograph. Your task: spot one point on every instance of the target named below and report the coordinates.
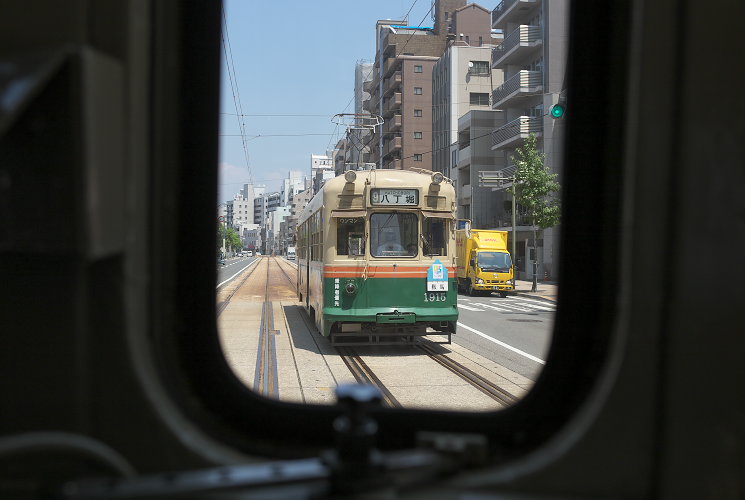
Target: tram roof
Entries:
(383, 178)
(389, 178)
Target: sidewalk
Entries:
(547, 290)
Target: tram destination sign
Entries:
(382, 196)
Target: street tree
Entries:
(536, 191)
(229, 236)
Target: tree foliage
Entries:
(232, 240)
(535, 188)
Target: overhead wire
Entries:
(233, 78)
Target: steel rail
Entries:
(364, 375)
(266, 378)
(481, 383)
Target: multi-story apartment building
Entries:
(321, 168)
(239, 210)
(533, 59)
(401, 88)
(358, 148)
(294, 183)
(462, 80)
(481, 205)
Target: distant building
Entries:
(321, 169)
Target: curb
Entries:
(535, 296)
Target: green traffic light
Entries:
(557, 111)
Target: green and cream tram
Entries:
(376, 257)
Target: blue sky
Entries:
(294, 57)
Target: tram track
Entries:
(479, 382)
(266, 378)
(365, 375)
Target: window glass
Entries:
(393, 234)
(417, 157)
(417, 90)
(417, 112)
(498, 262)
(479, 67)
(434, 236)
(479, 99)
(417, 135)
(350, 234)
(417, 69)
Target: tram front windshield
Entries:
(393, 234)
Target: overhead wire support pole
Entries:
(497, 180)
(357, 121)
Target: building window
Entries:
(417, 135)
(417, 68)
(479, 99)
(417, 90)
(478, 68)
(417, 157)
(417, 112)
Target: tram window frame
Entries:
(376, 233)
(344, 231)
(192, 362)
(428, 243)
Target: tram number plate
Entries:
(435, 296)
(437, 286)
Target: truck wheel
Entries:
(503, 295)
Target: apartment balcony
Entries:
(368, 85)
(391, 64)
(394, 164)
(513, 134)
(464, 157)
(464, 193)
(519, 87)
(511, 11)
(392, 83)
(393, 145)
(517, 46)
(393, 104)
(393, 124)
(366, 105)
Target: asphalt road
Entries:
(231, 268)
(513, 331)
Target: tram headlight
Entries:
(350, 175)
(437, 178)
(351, 288)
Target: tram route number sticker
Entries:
(437, 277)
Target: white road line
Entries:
(467, 308)
(506, 346)
(236, 274)
(513, 307)
(533, 301)
(497, 308)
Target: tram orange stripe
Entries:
(380, 272)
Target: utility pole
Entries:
(497, 180)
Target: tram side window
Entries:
(316, 249)
(435, 240)
(350, 236)
(393, 234)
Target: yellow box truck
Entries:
(483, 262)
